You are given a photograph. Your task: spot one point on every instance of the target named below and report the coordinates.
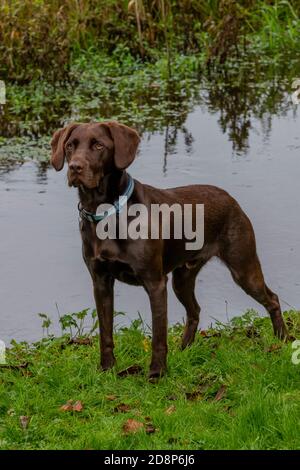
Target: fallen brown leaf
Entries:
(132, 426)
(24, 421)
(170, 410)
(273, 348)
(122, 408)
(70, 406)
(131, 370)
(150, 429)
(67, 406)
(220, 393)
(78, 406)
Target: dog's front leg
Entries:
(104, 298)
(157, 291)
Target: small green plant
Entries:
(74, 324)
(46, 322)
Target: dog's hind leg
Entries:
(239, 254)
(183, 282)
(251, 280)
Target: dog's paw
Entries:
(107, 363)
(155, 374)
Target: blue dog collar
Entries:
(115, 209)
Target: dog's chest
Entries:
(107, 256)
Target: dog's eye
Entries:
(69, 147)
(98, 146)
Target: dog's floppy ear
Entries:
(58, 141)
(126, 141)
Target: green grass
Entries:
(260, 408)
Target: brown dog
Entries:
(97, 157)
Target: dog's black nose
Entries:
(76, 167)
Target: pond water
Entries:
(253, 155)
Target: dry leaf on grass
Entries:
(122, 408)
(67, 406)
(70, 406)
(24, 422)
(220, 393)
(132, 426)
(78, 406)
(170, 410)
(150, 428)
(273, 348)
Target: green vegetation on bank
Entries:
(42, 38)
(236, 387)
(141, 62)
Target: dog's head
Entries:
(93, 150)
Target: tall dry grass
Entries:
(39, 37)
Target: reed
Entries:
(40, 38)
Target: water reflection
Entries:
(41, 172)
(247, 92)
(238, 93)
(171, 141)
